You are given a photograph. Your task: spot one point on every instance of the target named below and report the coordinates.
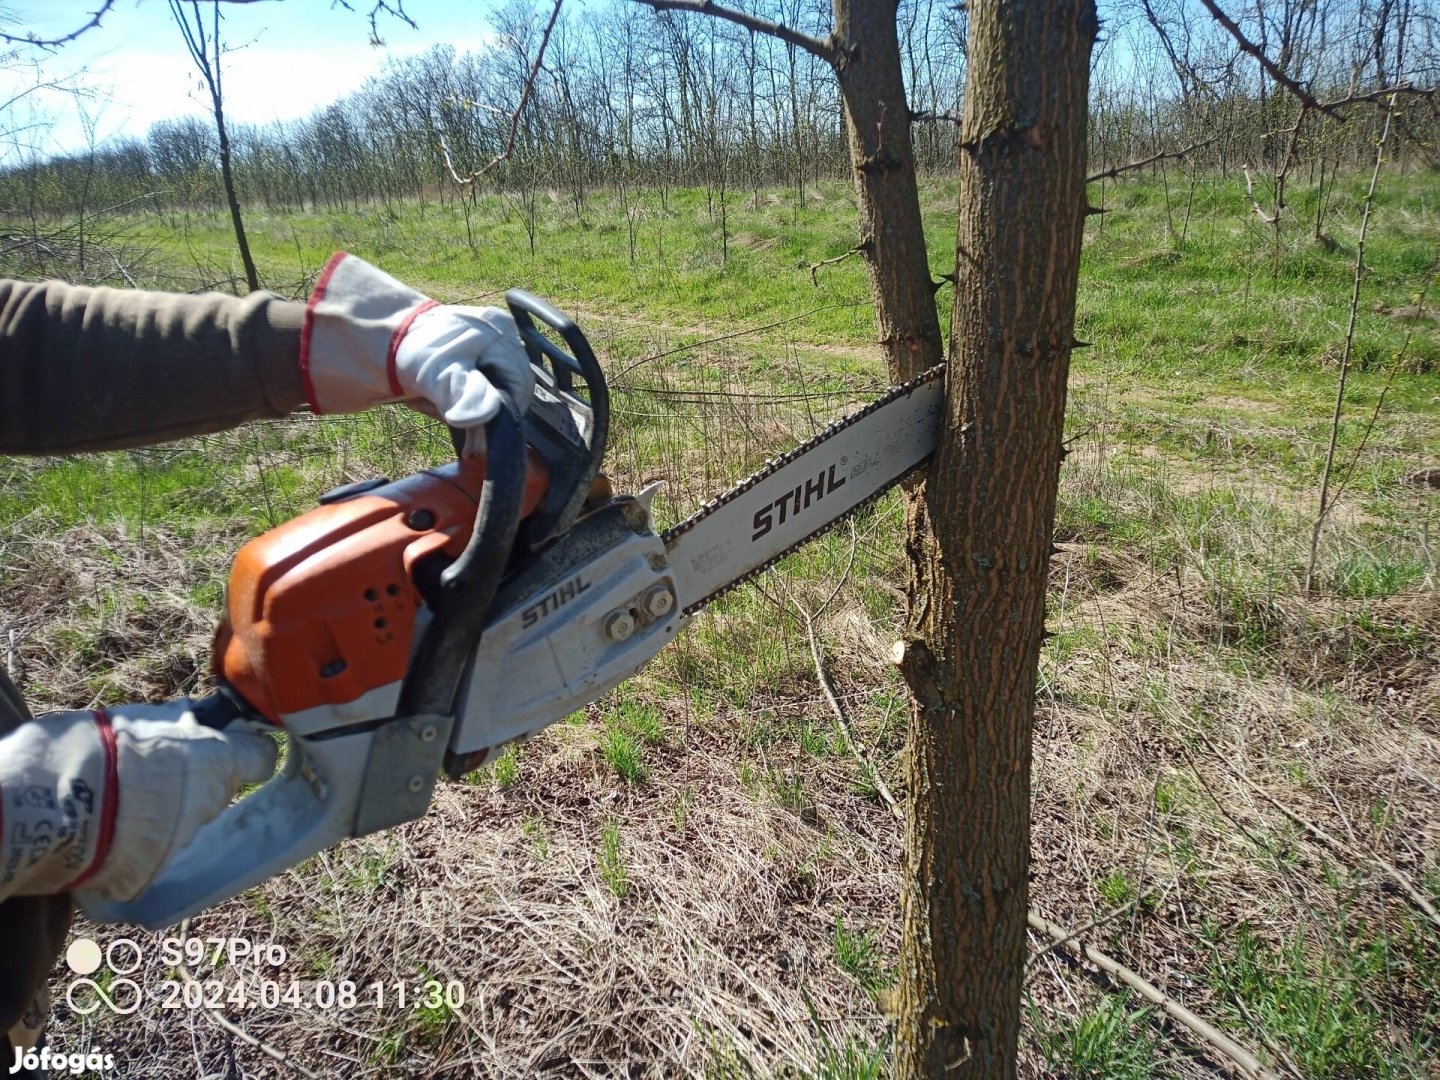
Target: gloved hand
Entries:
(104, 800)
(368, 339)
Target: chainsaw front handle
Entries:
(568, 421)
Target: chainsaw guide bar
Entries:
(805, 492)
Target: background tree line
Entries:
(631, 98)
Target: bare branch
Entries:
(220, 1020)
(65, 39)
(857, 748)
(1095, 924)
(1371, 97)
(1254, 203)
(1271, 68)
(723, 337)
(823, 49)
(106, 6)
(1378, 96)
(504, 155)
(1245, 1061)
(1118, 169)
(1327, 503)
(858, 249)
(923, 117)
(394, 8)
(1389, 382)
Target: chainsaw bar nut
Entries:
(659, 601)
(619, 625)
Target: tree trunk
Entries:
(979, 543)
(877, 123)
(199, 45)
(252, 279)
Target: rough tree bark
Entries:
(892, 240)
(980, 539)
(979, 526)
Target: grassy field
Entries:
(1236, 785)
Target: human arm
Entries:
(75, 375)
(103, 369)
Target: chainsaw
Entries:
(404, 628)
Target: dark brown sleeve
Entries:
(104, 369)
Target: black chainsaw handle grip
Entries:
(569, 421)
(525, 308)
(468, 585)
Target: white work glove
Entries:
(104, 800)
(369, 339)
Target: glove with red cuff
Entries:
(104, 799)
(369, 339)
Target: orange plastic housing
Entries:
(322, 609)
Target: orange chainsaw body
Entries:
(322, 609)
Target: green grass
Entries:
(1183, 332)
(611, 861)
(506, 770)
(851, 1061)
(368, 870)
(1307, 992)
(432, 1011)
(858, 955)
(1198, 423)
(1112, 1041)
(533, 829)
(1115, 889)
(680, 814)
(622, 752)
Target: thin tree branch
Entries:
(923, 117)
(1116, 170)
(872, 773)
(1384, 390)
(107, 6)
(215, 1016)
(64, 39)
(858, 249)
(723, 337)
(1327, 503)
(1254, 203)
(1371, 97)
(12, 651)
(1239, 1056)
(1094, 924)
(823, 49)
(1306, 98)
(515, 117)
(395, 10)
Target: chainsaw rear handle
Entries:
(353, 779)
(310, 805)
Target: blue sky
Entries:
(298, 54)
